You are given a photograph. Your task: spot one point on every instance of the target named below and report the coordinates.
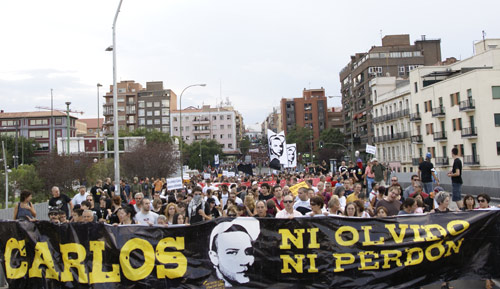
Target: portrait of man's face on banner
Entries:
(277, 146)
(291, 151)
(231, 250)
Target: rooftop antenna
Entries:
(484, 42)
(381, 35)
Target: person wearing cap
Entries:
(379, 172)
(213, 211)
(231, 250)
(54, 215)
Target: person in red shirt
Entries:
(278, 197)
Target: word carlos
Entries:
(74, 256)
(347, 236)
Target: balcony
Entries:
(442, 161)
(472, 160)
(469, 132)
(201, 131)
(467, 105)
(131, 110)
(416, 139)
(438, 112)
(415, 117)
(440, 136)
(198, 121)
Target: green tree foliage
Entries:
(191, 153)
(332, 135)
(26, 148)
(333, 145)
(26, 177)
(245, 145)
(153, 159)
(301, 137)
(104, 168)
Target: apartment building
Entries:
(309, 111)
(140, 107)
(391, 121)
(218, 123)
(43, 126)
(335, 118)
(273, 121)
(396, 57)
(458, 105)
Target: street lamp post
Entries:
(115, 105)
(68, 127)
(98, 124)
(180, 123)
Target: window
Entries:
(149, 104)
(156, 104)
(221, 126)
(164, 129)
(164, 120)
(221, 136)
(228, 116)
(157, 112)
(229, 126)
(307, 106)
(214, 136)
(39, 133)
(165, 103)
(58, 133)
(416, 86)
(308, 116)
(221, 117)
(141, 103)
(376, 70)
(149, 122)
(9, 123)
(43, 147)
(498, 148)
(407, 54)
(401, 70)
(495, 90)
(141, 112)
(59, 121)
(395, 54)
(121, 99)
(149, 113)
(229, 135)
(122, 90)
(497, 119)
(121, 118)
(157, 121)
(230, 146)
(39, 121)
(164, 111)
(417, 53)
(214, 117)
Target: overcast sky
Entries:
(253, 52)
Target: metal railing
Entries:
(469, 132)
(472, 160)
(440, 135)
(468, 104)
(438, 111)
(442, 161)
(416, 138)
(415, 117)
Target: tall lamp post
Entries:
(68, 126)
(98, 124)
(180, 121)
(115, 105)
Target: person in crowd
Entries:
(241, 210)
(379, 172)
(249, 204)
(62, 217)
(89, 205)
(224, 196)
(426, 173)
(409, 206)
(288, 212)
(443, 200)
(261, 209)
(242, 193)
(328, 193)
(317, 204)
(351, 210)
(286, 190)
(76, 214)
(381, 212)
(418, 190)
(422, 206)
(320, 188)
(484, 201)
(135, 187)
(265, 192)
(344, 172)
(138, 201)
(25, 209)
(162, 221)
(126, 215)
(395, 182)
(80, 197)
(310, 193)
(302, 204)
(409, 190)
(339, 192)
(374, 192)
(88, 216)
(334, 206)
(348, 187)
(61, 201)
(104, 208)
(179, 219)
(278, 197)
(96, 191)
(158, 185)
(361, 208)
(369, 176)
(116, 203)
(456, 178)
(145, 216)
(271, 208)
(211, 194)
(231, 212)
(212, 209)
(157, 205)
(169, 212)
(355, 193)
(469, 203)
(391, 202)
(352, 171)
(54, 215)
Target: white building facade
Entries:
(207, 123)
(391, 119)
(458, 105)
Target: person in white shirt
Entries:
(317, 204)
(288, 212)
(224, 194)
(80, 197)
(208, 186)
(145, 216)
(302, 204)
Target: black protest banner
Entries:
(406, 251)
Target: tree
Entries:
(301, 137)
(26, 177)
(245, 145)
(26, 149)
(152, 159)
(62, 170)
(331, 144)
(191, 153)
(151, 135)
(104, 168)
(332, 135)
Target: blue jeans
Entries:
(457, 192)
(369, 182)
(428, 187)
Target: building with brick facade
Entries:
(396, 57)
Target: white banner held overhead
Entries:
(216, 159)
(206, 176)
(371, 149)
(174, 184)
(291, 153)
(277, 146)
